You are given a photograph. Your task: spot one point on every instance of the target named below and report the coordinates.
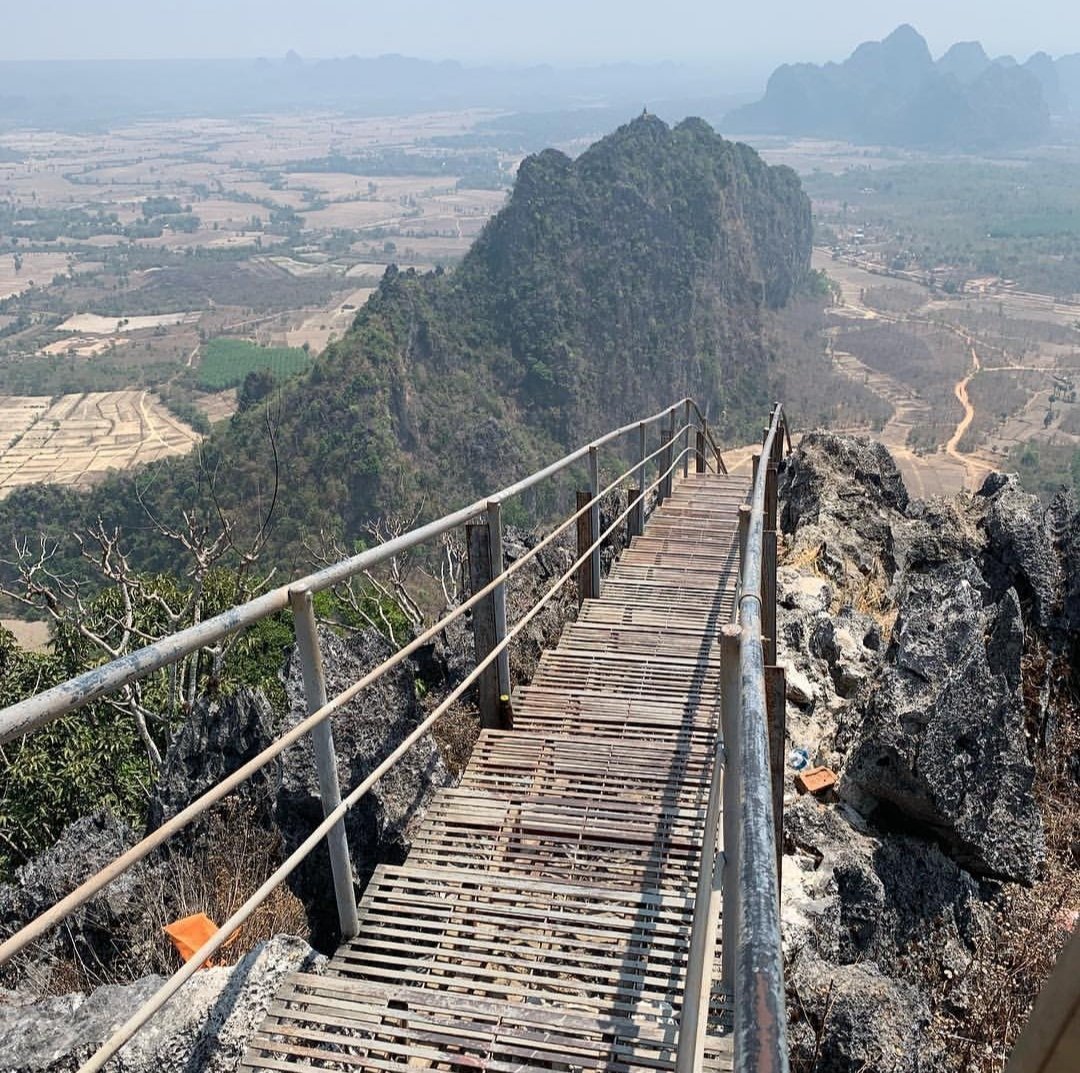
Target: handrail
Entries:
(19, 719)
(29, 715)
(760, 1039)
(742, 788)
(289, 865)
(94, 884)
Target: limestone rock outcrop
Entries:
(918, 634)
(204, 1028)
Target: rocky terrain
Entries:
(930, 646)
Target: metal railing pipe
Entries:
(27, 715)
(751, 958)
(760, 1015)
(94, 884)
(170, 987)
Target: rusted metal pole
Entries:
(776, 708)
(686, 441)
(768, 595)
(594, 519)
(483, 624)
(498, 595)
(584, 542)
(744, 529)
(770, 496)
(322, 741)
(664, 489)
(637, 516)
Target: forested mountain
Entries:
(607, 287)
(893, 92)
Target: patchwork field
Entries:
(92, 324)
(77, 439)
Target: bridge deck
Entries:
(542, 919)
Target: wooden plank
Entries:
(542, 918)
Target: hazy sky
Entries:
(750, 34)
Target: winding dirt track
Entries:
(960, 390)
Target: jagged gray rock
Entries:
(853, 1018)
(848, 480)
(1019, 553)
(915, 623)
(942, 739)
(89, 934)
(203, 1030)
(219, 736)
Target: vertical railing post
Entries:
(770, 496)
(594, 519)
(686, 440)
(697, 992)
(744, 532)
(638, 513)
(584, 541)
(663, 489)
(768, 568)
(495, 546)
(322, 741)
(478, 541)
(729, 724)
(673, 424)
(699, 452)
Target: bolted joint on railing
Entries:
(322, 741)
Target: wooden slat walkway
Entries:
(542, 919)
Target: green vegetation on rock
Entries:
(608, 286)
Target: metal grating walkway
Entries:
(542, 919)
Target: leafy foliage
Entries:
(94, 758)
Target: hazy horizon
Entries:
(745, 43)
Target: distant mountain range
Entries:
(893, 92)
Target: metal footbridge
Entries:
(600, 892)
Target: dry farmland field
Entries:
(77, 439)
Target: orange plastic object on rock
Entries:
(189, 933)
